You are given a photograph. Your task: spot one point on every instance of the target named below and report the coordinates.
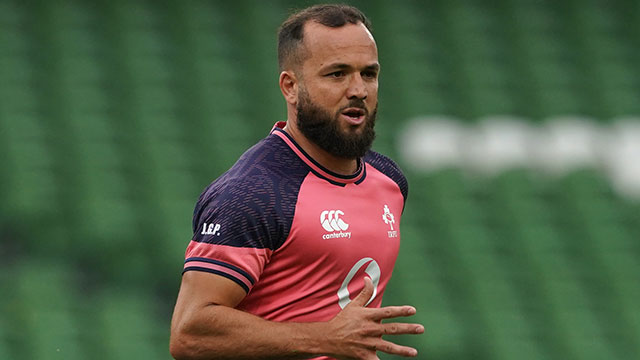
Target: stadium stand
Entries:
(516, 123)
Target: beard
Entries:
(323, 129)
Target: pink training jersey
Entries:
(295, 236)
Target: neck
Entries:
(335, 164)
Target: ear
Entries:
(289, 87)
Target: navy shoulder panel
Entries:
(253, 203)
(388, 167)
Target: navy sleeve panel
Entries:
(389, 168)
(253, 203)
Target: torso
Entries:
(298, 238)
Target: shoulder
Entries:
(256, 196)
(263, 167)
(270, 156)
(390, 169)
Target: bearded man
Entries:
(293, 246)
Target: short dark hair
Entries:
(291, 32)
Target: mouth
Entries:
(354, 115)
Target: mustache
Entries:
(355, 103)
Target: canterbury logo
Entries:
(331, 221)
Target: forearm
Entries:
(221, 332)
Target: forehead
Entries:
(348, 43)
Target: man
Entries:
(294, 245)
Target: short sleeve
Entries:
(235, 231)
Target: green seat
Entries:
(582, 334)
(143, 335)
(31, 190)
(44, 311)
(419, 280)
(5, 351)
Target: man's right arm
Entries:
(206, 325)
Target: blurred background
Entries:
(516, 122)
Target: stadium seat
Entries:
(4, 346)
(115, 115)
(144, 337)
(44, 315)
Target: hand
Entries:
(356, 332)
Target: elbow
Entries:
(178, 347)
(193, 339)
(182, 346)
(182, 343)
(187, 346)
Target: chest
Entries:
(341, 224)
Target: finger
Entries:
(396, 329)
(395, 349)
(389, 312)
(364, 295)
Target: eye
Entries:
(336, 74)
(370, 74)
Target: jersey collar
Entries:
(316, 168)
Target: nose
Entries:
(357, 88)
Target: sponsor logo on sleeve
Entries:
(211, 229)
